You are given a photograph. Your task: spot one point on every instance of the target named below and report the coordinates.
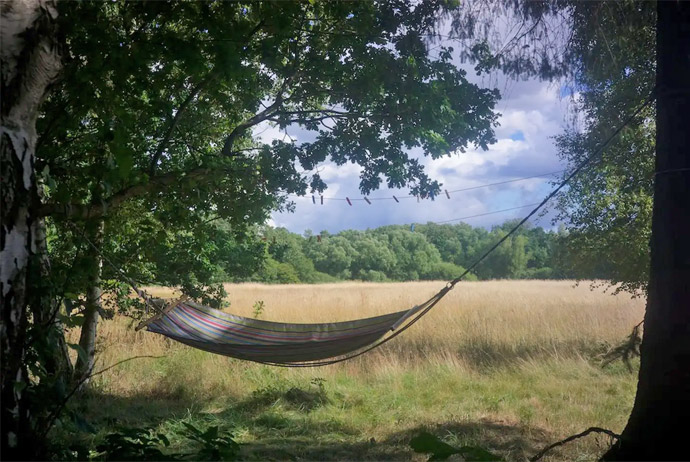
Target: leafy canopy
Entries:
(158, 113)
(602, 54)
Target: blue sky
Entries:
(532, 112)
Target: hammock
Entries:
(306, 345)
(268, 342)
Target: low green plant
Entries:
(136, 443)
(258, 309)
(133, 444)
(214, 444)
(426, 443)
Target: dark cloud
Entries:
(531, 114)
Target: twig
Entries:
(118, 363)
(53, 417)
(163, 144)
(541, 453)
(626, 350)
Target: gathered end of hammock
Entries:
(269, 342)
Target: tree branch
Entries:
(541, 453)
(176, 119)
(95, 210)
(327, 114)
(192, 95)
(53, 417)
(236, 132)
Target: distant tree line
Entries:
(398, 253)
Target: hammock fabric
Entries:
(269, 342)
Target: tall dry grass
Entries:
(507, 365)
(478, 324)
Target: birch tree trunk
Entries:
(47, 335)
(30, 63)
(87, 339)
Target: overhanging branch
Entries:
(163, 144)
(156, 184)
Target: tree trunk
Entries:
(30, 62)
(658, 425)
(87, 340)
(44, 308)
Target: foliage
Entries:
(444, 271)
(427, 443)
(152, 127)
(279, 273)
(137, 443)
(394, 253)
(609, 206)
(214, 444)
(259, 307)
(134, 444)
(602, 55)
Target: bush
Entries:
(539, 273)
(373, 276)
(444, 271)
(319, 277)
(276, 272)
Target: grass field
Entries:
(507, 365)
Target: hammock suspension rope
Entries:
(310, 345)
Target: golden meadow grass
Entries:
(493, 361)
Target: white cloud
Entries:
(531, 114)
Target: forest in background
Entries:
(163, 111)
(410, 253)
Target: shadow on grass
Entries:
(486, 354)
(275, 429)
(511, 441)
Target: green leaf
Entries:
(426, 443)
(211, 433)
(473, 453)
(72, 321)
(192, 429)
(164, 439)
(123, 155)
(125, 162)
(80, 351)
(19, 387)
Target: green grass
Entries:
(277, 415)
(506, 371)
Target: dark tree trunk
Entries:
(658, 425)
(30, 63)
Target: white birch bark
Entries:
(30, 63)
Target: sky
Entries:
(532, 112)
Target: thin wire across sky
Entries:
(446, 192)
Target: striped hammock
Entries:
(270, 342)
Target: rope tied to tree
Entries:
(420, 310)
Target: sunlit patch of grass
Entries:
(507, 365)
